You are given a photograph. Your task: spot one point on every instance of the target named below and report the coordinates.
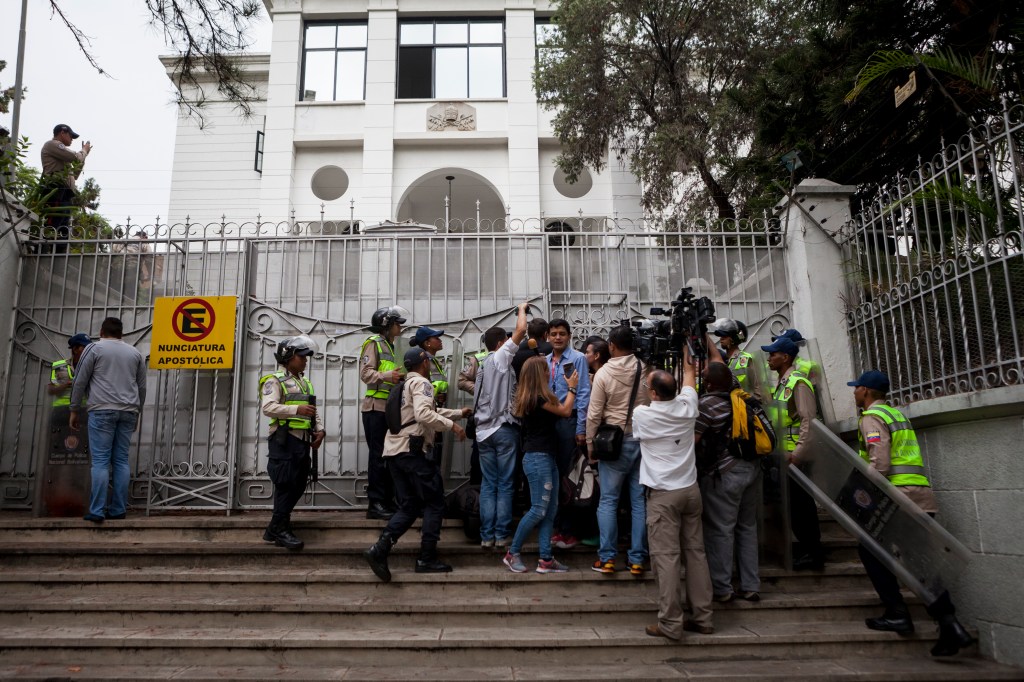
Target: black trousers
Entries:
(888, 589)
(380, 489)
(576, 521)
(288, 468)
(420, 491)
(803, 518)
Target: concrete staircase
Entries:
(202, 597)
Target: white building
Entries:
(378, 109)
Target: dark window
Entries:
(451, 59)
(334, 62)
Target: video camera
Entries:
(658, 342)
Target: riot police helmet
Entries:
(383, 318)
(734, 329)
(295, 345)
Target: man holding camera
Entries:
(417, 479)
(287, 397)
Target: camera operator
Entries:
(665, 430)
(417, 479)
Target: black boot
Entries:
(281, 535)
(378, 511)
(377, 556)
(952, 637)
(428, 561)
(893, 620)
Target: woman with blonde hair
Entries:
(539, 410)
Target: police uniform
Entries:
(377, 359)
(417, 479)
(888, 443)
(795, 406)
(289, 460)
(62, 372)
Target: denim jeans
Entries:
(542, 473)
(110, 436)
(497, 466)
(613, 475)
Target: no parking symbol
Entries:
(195, 332)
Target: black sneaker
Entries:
(434, 566)
(379, 511)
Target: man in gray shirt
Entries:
(113, 375)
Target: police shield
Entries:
(910, 543)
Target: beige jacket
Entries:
(610, 391)
(427, 418)
(880, 456)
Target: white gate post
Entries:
(810, 217)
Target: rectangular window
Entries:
(334, 63)
(451, 59)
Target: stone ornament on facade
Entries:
(451, 116)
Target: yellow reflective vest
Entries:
(906, 466)
(385, 364)
(60, 372)
(295, 391)
(740, 364)
(789, 427)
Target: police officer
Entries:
(379, 371)
(287, 397)
(809, 368)
(62, 372)
(430, 340)
(794, 408)
(744, 366)
(888, 443)
(417, 479)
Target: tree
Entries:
(655, 82)
(207, 35)
(830, 95)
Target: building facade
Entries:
(392, 110)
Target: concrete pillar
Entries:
(523, 157)
(817, 287)
(282, 94)
(376, 203)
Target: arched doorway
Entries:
(424, 201)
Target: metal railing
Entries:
(935, 269)
(202, 441)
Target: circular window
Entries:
(329, 183)
(556, 237)
(574, 190)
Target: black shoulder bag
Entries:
(608, 439)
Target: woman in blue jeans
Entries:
(539, 410)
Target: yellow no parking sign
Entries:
(193, 332)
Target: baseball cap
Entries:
(424, 333)
(782, 345)
(414, 357)
(79, 339)
(873, 379)
(791, 334)
(64, 128)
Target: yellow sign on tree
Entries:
(193, 332)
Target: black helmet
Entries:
(734, 329)
(296, 345)
(384, 317)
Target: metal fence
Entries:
(936, 269)
(202, 441)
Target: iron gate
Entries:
(202, 443)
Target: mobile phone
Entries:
(569, 369)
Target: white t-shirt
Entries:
(665, 430)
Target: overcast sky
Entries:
(129, 117)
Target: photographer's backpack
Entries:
(753, 435)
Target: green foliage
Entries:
(978, 73)
(656, 83)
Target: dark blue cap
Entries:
(414, 357)
(873, 379)
(782, 345)
(791, 334)
(424, 333)
(79, 339)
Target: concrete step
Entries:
(287, 581)
(608, 642)
(152, 608)
(811, 670)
